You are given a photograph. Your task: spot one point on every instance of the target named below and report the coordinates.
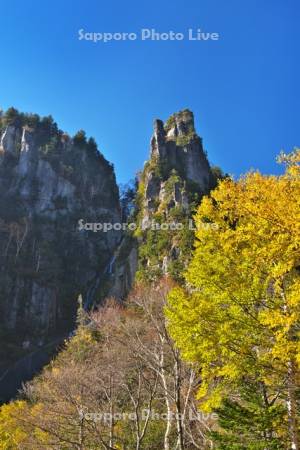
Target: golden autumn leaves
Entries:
(239, 318)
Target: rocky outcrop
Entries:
(48, 182)
(177, 167)
(177, 144)
(171, 185)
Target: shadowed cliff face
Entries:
(48, 182)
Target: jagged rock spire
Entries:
(177, 144)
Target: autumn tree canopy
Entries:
(239, 317)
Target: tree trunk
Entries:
(167, 401)
(292, 407)
(180, 443)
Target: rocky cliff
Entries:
(48, 182)
(171, 185)
(177, 145)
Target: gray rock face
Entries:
(123, 270)
(176, 147)
(9, 140)
(177, 143)
(48, 182)
(173, 182)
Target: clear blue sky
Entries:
(243, 89)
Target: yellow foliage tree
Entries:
(240, 313)
(11, 434)
(16, 428)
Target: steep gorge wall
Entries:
(48, 182)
